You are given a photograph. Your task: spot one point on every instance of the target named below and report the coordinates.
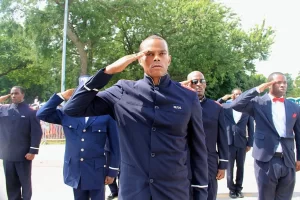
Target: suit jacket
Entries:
(237, 132)
(214, 128)
(84, 151)
(266, 137)
(157, 124)
(20, 132)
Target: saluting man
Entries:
(84, 160)
(20, 137)
(158, 121)
(214, 128)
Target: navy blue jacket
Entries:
(214, 128)
(84, 151)
(20, 132)
(237, 132)
(266, 137)
(157, 124)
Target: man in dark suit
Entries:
(237, 126)
(84, 161)
(277, 129)
(20, 137)
(158, 121)
(214, 128)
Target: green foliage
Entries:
(202, 35)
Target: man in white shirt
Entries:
(277, 129)
(237, 126)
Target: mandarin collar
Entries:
(163, 82)
(17, 105)
(203, 100)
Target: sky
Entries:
(284, 18)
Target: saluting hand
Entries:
(122, 63)
(226, 97)
(3, 98)
(67, 94)
(187, 84)
(29, 156)
(264, 86)
(248, 148)
(108, 180)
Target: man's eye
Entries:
(149, 54)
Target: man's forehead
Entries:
(154, 45)
(15, 90)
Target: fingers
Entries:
(29, 156)
(221, 174)
(108, 180)
(297, 166)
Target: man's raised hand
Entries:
(67, 94)
(264, 86)
(122, 63)
(3, 98)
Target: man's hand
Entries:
(187, 84)
(248, 149)
(226, 97)
(264, 86)
(67, 94)
(122, 63)
(108, 180)
(29, 156)
(220, 174)
(3, 98)
(297, 166)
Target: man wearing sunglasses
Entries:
(238, 125)
(214, 128)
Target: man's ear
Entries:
(170, 58)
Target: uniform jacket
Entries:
(20, 132)
(84, 151)
(237, 132)
(214, 128)
(156, 123)
(266, 137)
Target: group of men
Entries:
(167, 134)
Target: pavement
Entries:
(47, 178)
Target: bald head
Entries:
(152, 37)
(198, 83)
(193, 74)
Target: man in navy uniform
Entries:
(277, 129)
(214, 128)
(158, 121)
(20, 137)
(84, 160)
(238, 125)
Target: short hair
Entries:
(22, 90)
(152, 37)
(235, 89)
(270, 77)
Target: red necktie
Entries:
(278, 99)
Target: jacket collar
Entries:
(163, 82)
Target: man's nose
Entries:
(156, 58)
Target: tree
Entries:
(202, 35)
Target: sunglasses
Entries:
(196, 81)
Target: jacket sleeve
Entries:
(243, 103)
(222, 141)
(87, 101)
(297, 133)
(198, 153)
(114, 150)
(49, 112)
(250, 127)
(35, 133)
